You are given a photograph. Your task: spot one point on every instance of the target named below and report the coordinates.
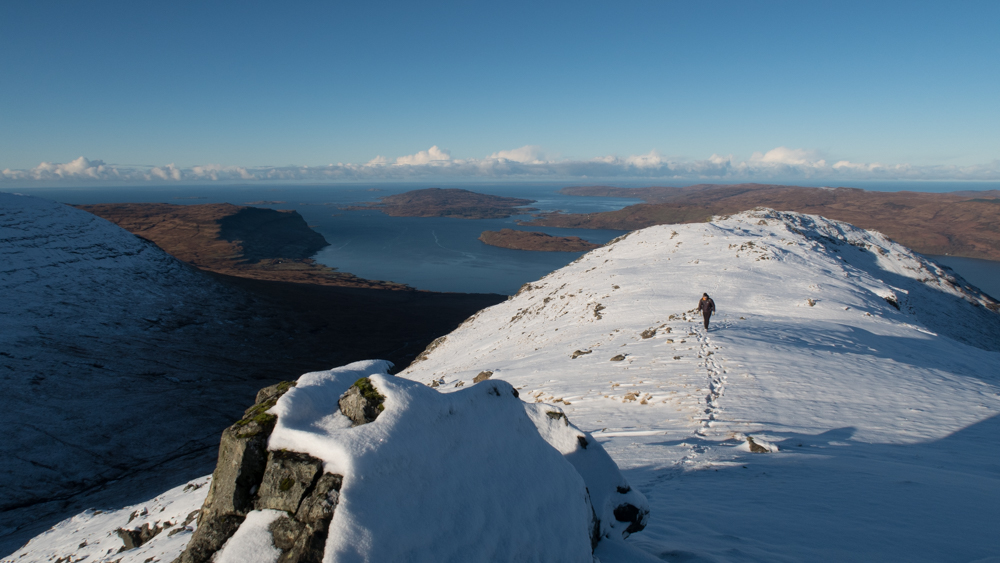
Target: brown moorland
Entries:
(529, 240)
(246, 242)
(450, 202)
(956, 223)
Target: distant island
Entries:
(246, 242)
(528, 240)
(450, 202)
(956, 223)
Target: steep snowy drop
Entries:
(869, 373)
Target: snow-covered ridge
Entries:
(822, 329)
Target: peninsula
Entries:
(528, 240)
(245, 242)
(450, 202)
(956, 223)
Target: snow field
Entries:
(805, 348)
(91, 535)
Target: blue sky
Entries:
(717, 90)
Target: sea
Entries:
(428, 253)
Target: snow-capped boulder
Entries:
(476, 475)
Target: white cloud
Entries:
(788, 157)
(528, 154)
(432, 155)
(528, 162)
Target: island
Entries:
(239, 241)
(529, 240)
(450, 202)
(956, 223)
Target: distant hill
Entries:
(958, 223)
(527, 240)
(450, 202)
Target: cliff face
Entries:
(269, 234)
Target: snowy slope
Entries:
(102, 377)
(93, 535)
(883, 420)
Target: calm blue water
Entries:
(435, 254)
(984, 274)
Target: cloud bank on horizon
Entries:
(529, 162)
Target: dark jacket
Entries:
(706, 306)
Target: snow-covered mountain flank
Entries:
(115, 358)
(842, 405)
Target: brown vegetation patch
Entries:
(956, 223)
(527, 240)
(249, 242)
(451, 202)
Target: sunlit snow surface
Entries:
(882, 422)
(91, 535)
(885, 428)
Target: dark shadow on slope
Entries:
(961, 319)
(840, 339)
(189, 380)
(828, 497)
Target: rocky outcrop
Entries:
(361, 403)
(248, 477)
(298, 497)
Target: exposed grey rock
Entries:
(632, 514)
(133, 538)
(321, 502)
(302, 537)
(618, 358)
(287, 478)
(483, 376)
(299, 542)
(757, 448)
(361, 403)
(209, 538)
(237, 477)
(648, 333)
(273, 392)
(579, 353)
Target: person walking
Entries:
(707, 307)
